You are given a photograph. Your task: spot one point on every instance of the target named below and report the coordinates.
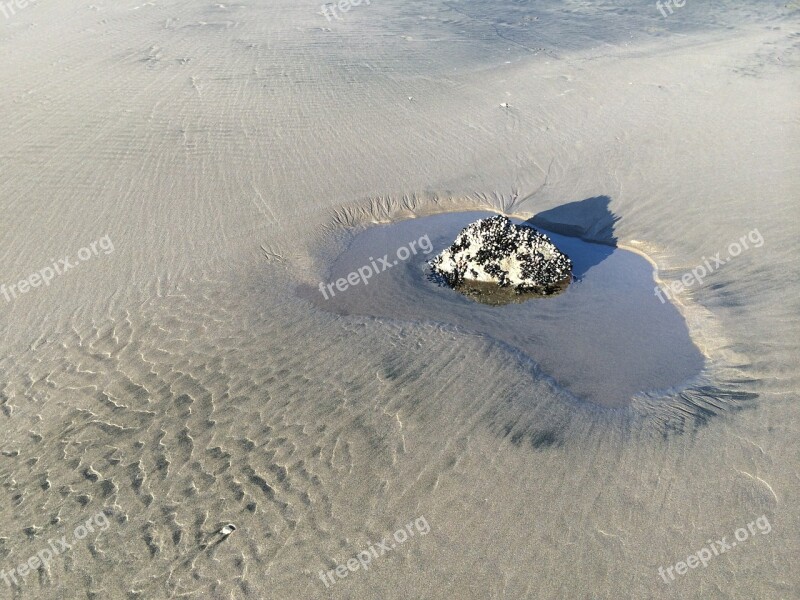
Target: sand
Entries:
(179, 383)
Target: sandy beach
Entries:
(179, 180)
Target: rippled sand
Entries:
(231, 152)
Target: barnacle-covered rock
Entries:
(495, 255)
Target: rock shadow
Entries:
(590, 220)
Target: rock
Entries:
(495, 253)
